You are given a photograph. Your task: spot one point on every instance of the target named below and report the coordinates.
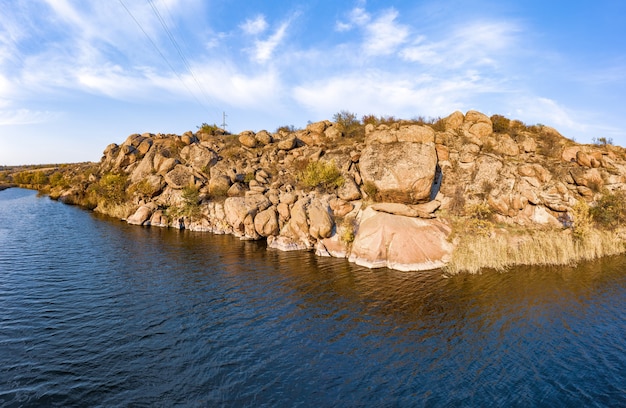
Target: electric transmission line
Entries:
(178, 50)
(156, 47)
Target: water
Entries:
(94, 312)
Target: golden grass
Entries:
(552, 247)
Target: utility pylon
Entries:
(224, 121)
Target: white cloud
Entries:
(358, 16)
(254, 26)
(476, 43)
(383, 93)
(264, 49)
(549, 112)
(24, 117)
(384, 34)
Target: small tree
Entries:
(351, 125)
(191, 201)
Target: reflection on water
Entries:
(96, 312)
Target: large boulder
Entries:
(263, 137)
(402, 243)
(287, 143)
(142, 215)
(401, 171)
(349, 190)
(266, 222)
(179, 177)
(145, 167)
(219, 185)
(247, 139)
(199, 157)
(320, 222)
(454, 121)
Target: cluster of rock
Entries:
(397, 182)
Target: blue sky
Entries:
(76, 75)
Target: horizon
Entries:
(77, 76)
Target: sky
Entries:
(77, 75)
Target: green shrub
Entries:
(209, 129)
(57, 179)
(346, 228)
(111, 188)
(610, 210)
(23, 178)
(321, 174)
(191, 198)
(249, 176)
(142, 188)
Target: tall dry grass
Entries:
(553, 247)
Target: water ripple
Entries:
(99, 313)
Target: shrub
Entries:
(602, 141)
(111, 188)
(371, 190)
(500, 123)
(23, 178)
(480, 219)
(610, 210)
(286, 129)
(550, 145)
(347, 230)
(57, 179)
(350, 124)
(249, 176)
(370, 120)
(209, 129)
(439, 125)
(582, 220)
(321, 174)
(142, 188)
(191, 201)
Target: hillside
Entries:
(464, 192)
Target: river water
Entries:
(94, 312)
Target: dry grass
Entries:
(551, 247)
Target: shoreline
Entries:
(461, 193)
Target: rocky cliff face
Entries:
(385, 199)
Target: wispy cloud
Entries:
(382, 33)
(476, 43)
(264, 49)
(385, 34)
(254, 26)
(24, 117)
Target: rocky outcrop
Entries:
(396, 189)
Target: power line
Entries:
(161, 54)
(179, 50)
